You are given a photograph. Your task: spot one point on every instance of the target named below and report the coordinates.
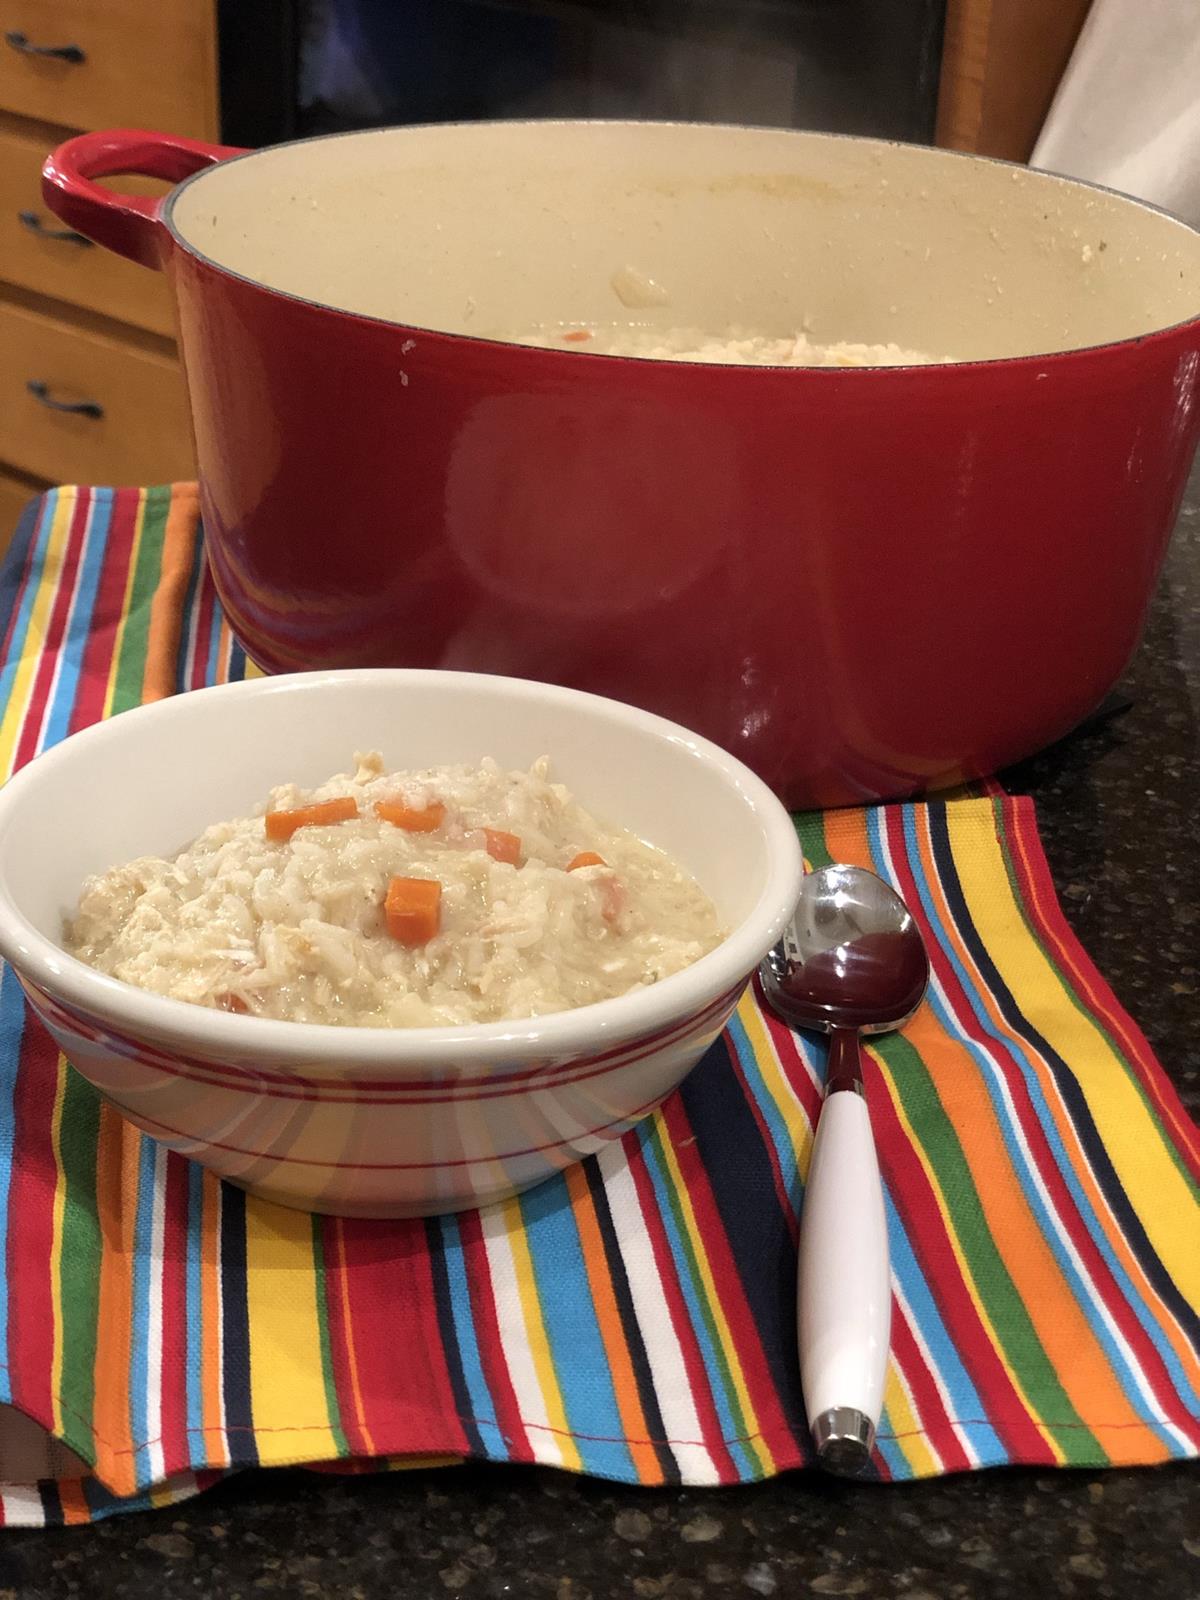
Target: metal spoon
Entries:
(852, 962)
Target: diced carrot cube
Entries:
(586, 858)
(410, 818)
(281, 825)
(413, 908)
(503, 846)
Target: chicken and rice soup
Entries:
(455, 894)
(732, 347)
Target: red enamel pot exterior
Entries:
(864, 583)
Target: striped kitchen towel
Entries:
(634, 1317)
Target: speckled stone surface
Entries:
(1118, 815)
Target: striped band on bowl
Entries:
(259, 1082)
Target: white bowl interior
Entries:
(150, 780)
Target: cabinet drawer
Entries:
(15, 495)
(141, 433)
(69, 269)
(145, 64)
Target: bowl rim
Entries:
(330, 1050)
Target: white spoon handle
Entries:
(845, 1302)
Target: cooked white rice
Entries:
(734, 347)
(297, 930)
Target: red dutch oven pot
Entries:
(866, 582)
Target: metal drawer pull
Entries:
(31, 220)
(78, 408)
(57, 52)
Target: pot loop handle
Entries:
(127, 223)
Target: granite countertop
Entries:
(1117, 810)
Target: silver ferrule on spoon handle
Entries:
(844, 1310)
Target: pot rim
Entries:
(537, 352)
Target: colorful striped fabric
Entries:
(634, 1318)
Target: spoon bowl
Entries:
(852, 956)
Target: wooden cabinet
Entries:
(1001, 65)
(111, 64)
(91, 390)
(87, 407)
